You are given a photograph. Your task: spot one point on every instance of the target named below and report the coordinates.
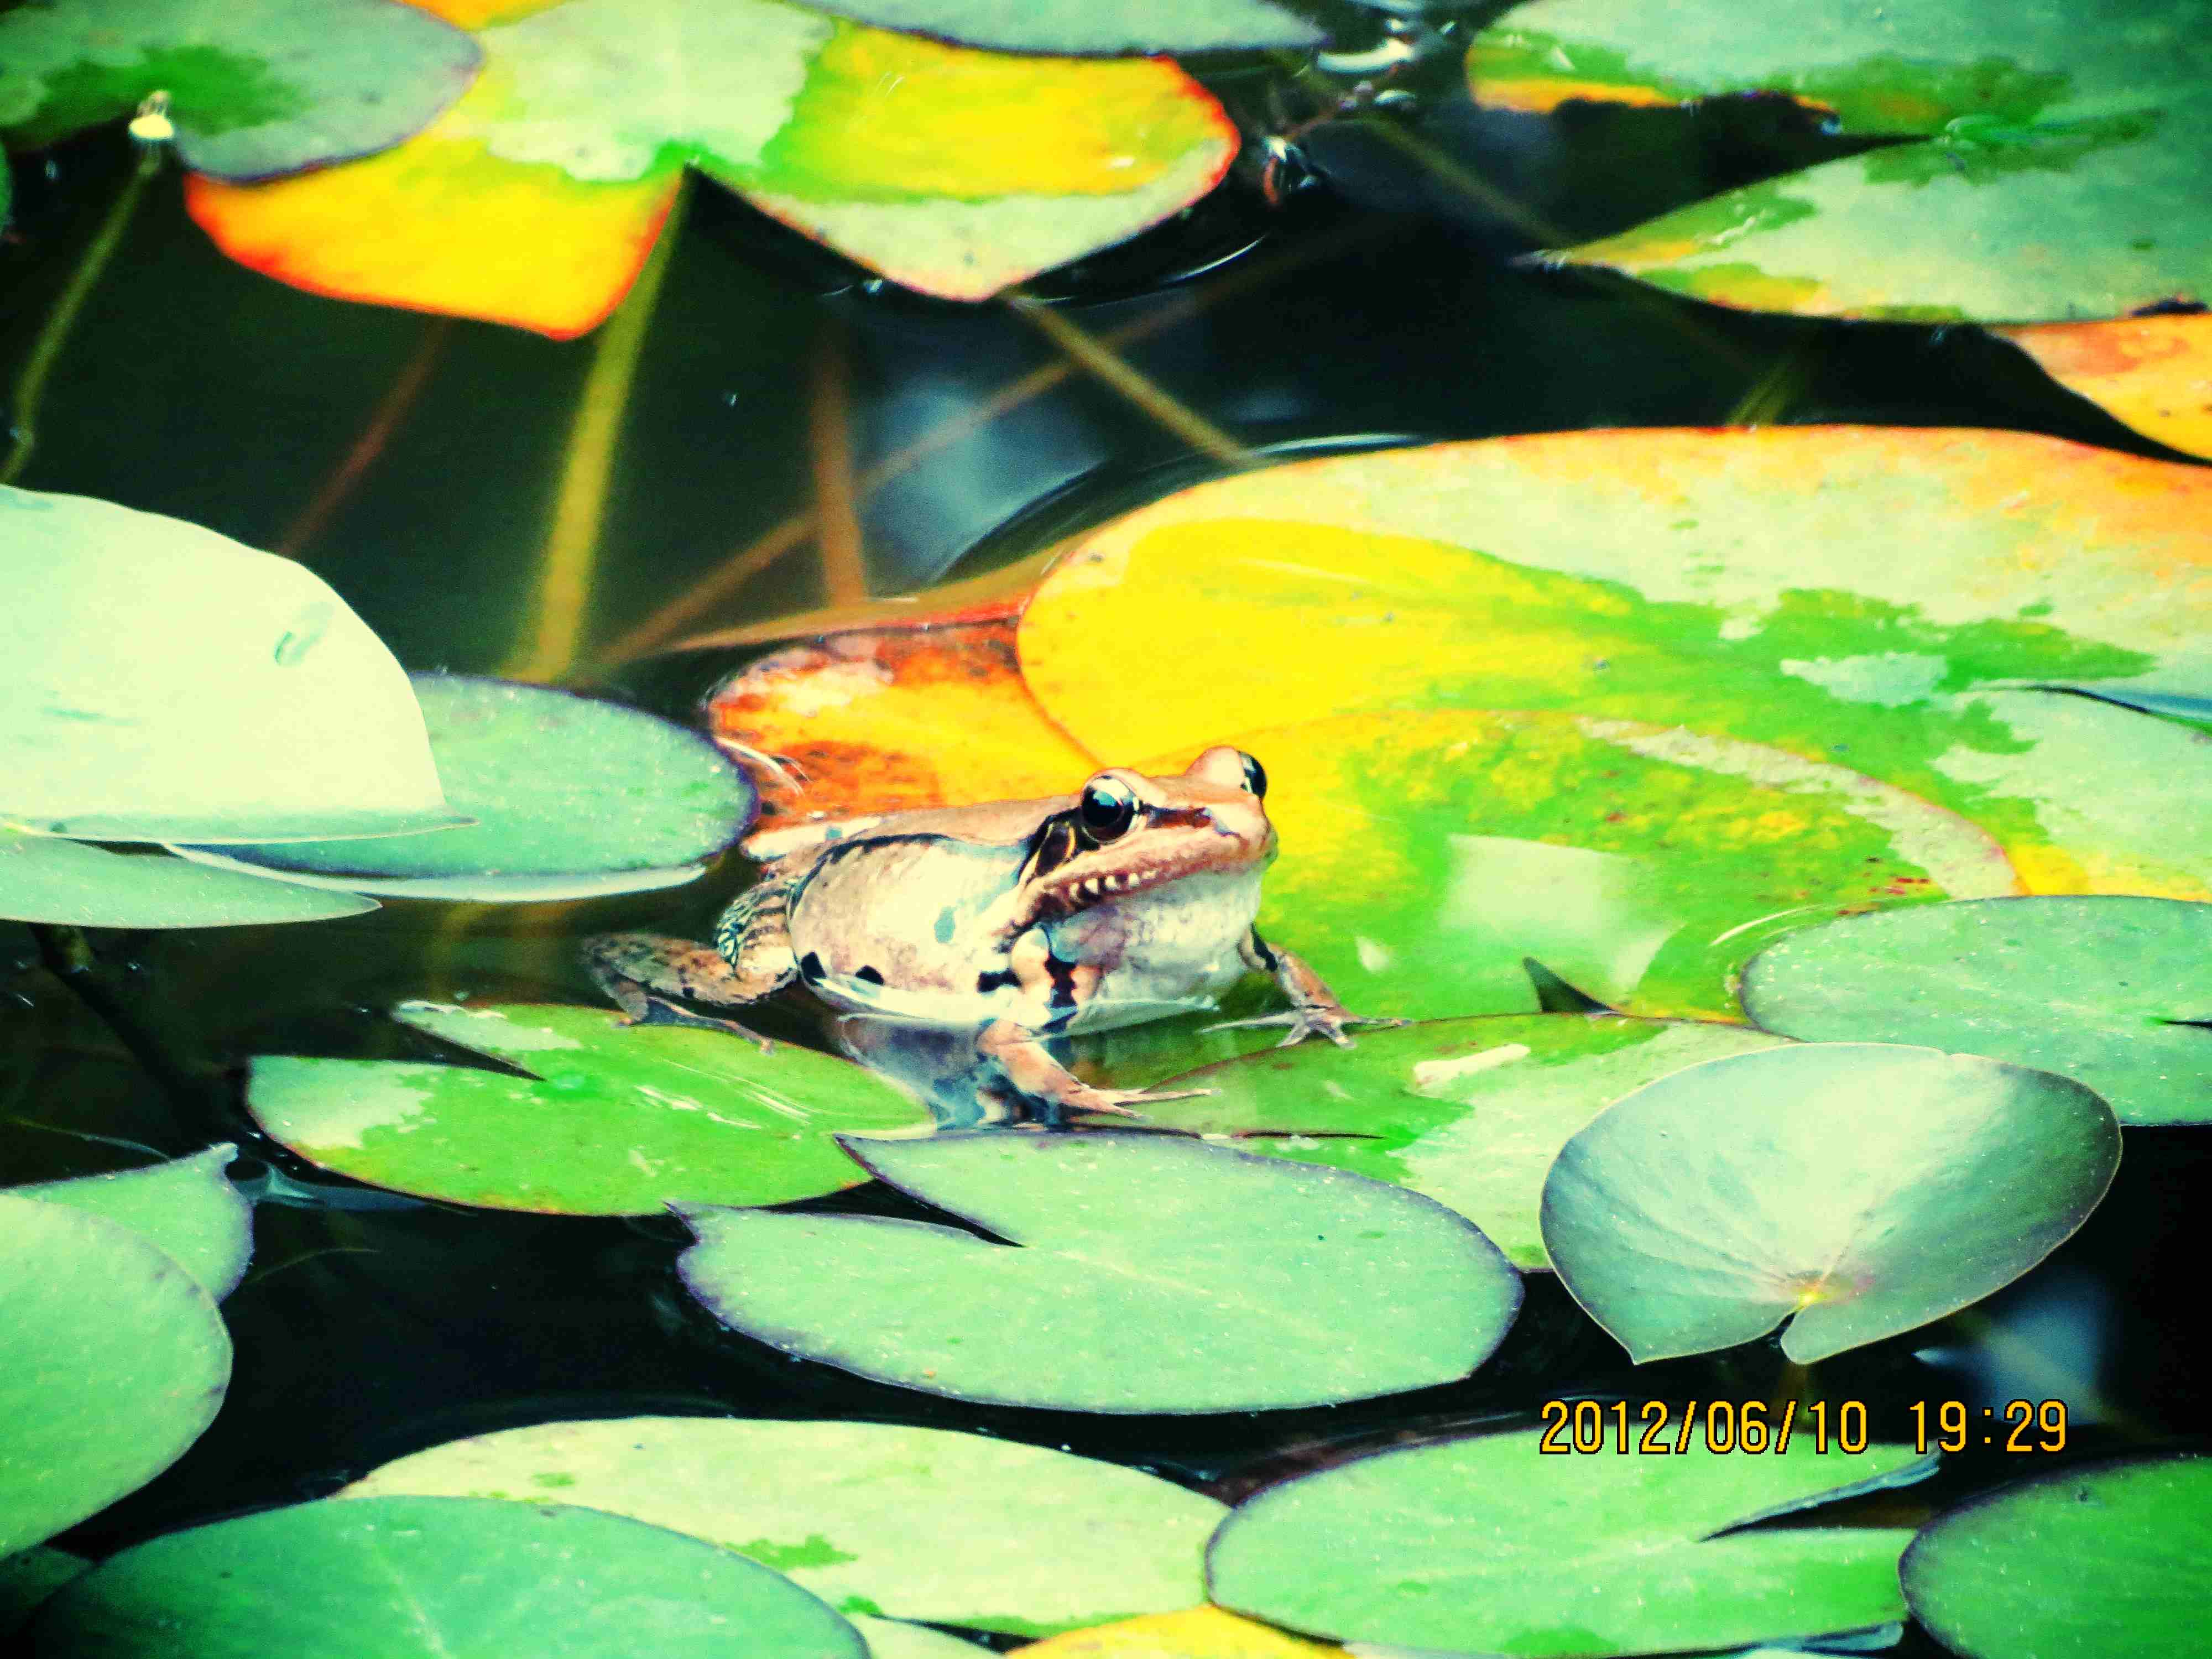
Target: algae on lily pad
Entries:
(2112, 992)
(606, 1118)
(2101, 1561)
(1485, 1544)
(428, 1578)
(572, 798)
(1854, 1189)
(116, 1362)
(186, 1206)
(47, 879)
(1470, 1111)
(1141, 1273)
(1048, 1541)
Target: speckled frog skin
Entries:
(1131, 899)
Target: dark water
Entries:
(1377, 304)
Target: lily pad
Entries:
(1048, 1541)
(1193, 1633)
(1426, 855)
(1484, 1544)
(1848, 595)
(603, 1118)
(1854, 1189)
(573, 797)
(1140, 1274)
(1470, 1111)
(2153, 373)
(2116, 1553)
(172, 685)
(888, 1638)
(45, 878)
(28, 1579)
(2057, 178)
(256, 87)
(186, 1206)
(983, 170)
(427, 1577)
(1082, 28)
(2110, 992)
(116, 1360)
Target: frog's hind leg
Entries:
(752, 961)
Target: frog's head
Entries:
(1128, 834)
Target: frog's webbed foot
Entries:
(1313, 1010)
(659, 1010)
(1029, 1067)
(632, 967)
(1316, 1021)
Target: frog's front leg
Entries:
(1052, 993)
(1313, 1010)
(751, 959)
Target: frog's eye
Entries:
(1106, 810)
(1256, 775)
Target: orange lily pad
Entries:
(2153, 373)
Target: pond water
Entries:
(412, 462)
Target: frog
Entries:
(1132, 899)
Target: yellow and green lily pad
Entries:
(1485, 1544)
(1141, 1273)
(1854, 1189)
(2109, 992)
(599, 1118)
(1048, 1541)
(2153, 373)
(1193, 1633)
(1866, 597)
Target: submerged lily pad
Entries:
(256, 87)
(1485, 1544)
(1048, 1541)
(116, 1361)
(1855, 1189)
(605, 1119)
(2110, 992)
(45, 878)
(1470, 1111)
(424, 1577)
(1141, 1273)
(573, 797)
(2115, 1553)
(172, 685)
(1084, 28)
(1856, 596)
(1426, 855)
(186, 1206)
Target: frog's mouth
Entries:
(1060, 852)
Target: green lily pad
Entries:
(1857, 598)
(2110, 992)
(181, 687)
(607, 1119)
(1485, 1544)
(572, 798)
(28, 1579)
(116, 1360)
(187, 1207)
(1083, 29)
(1048, 1541)
(256, 87)
(436, 1578)
(45, 878)
(888, 1638)
(1141, 1273)
(2115, 1552)
(1470, 1111)
(1855, 1189)
(2058, 179)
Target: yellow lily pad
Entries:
(1192, 1633)
(2153, 373)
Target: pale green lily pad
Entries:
(610, 1119)
(889, 1638)
(1487, 1545)
(573, 797)
(1470, 1111)
(1081, 29)
(1141, 1273)
(256, 87)
(28, 1579)
(1047, 1542)
(187, 1207)
(2114, 1556)
(116, 1361)
(46, 878)
(2110, 992)
(436, 1578)
(176, 686)
(1855, 1189)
